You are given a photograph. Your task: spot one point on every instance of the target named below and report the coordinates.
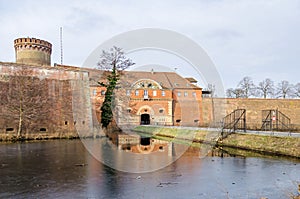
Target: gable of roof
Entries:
(167, 80)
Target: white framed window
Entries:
(185, 94)
(163, 93)
(154, 93)
(136, 92)
(127, 92)
(178, 94)
(145, 92)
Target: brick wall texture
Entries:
(218, 107)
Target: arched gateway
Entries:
(145, 119)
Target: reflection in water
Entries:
(134, 153)
(64, 169)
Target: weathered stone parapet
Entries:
(33, 51)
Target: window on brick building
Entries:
(128, 92)
(161, 110)
(178, 94)
(145, 93)
(185, 93)
(154, 93)
(163, 93)
(102, 92)
(136, 92)
(194, 94)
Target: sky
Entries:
(256, 38)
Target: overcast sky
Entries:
(252, 38)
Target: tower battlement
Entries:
(33, 51)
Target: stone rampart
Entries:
(253, 106)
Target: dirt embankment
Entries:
(287, 146)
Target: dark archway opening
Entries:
(145, 119)
(145, 141)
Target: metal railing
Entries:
(234, 121)
(274, 120)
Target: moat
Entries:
(65, 169)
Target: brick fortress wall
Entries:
(254, 107)
(49, 94)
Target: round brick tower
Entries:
(33, 51)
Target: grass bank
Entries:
(286, 146)
(174, 133)
(270, 145)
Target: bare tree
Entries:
(212, 89)
(247, 86)
(230, 93)
(25, 98)
(113, 61)
(297, 90)
(235, 93)
(284, 89)
(265, 88)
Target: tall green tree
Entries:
(112, 61)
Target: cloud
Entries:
(242, 37)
